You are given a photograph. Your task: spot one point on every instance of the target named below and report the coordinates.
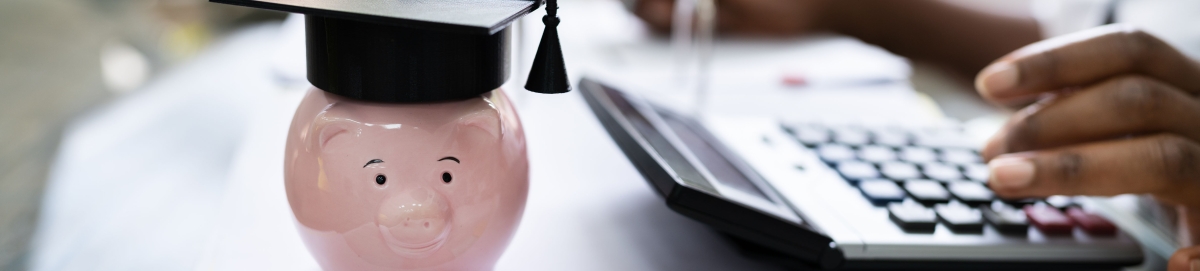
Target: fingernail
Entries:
(1011, 172)
(998, 78)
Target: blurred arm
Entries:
(958, 38)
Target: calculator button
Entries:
(917, 155)
(891, 137)
(881, 192)
(976, 172)
(899, 171)
(960, 218)
(1091, 223)
(811, 136)
(1048, 220)
(876, 154)
(1061, 202)
(941, 172)
(971, 193)
(835, 153)
(1006, 220)
(927, 192)
(943, 139)
(912, 217)
(960, 156)
(851, 136)
(854, 171)
(1020, 203)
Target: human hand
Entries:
(1117, 112)
(1187, 259)
(751, 17)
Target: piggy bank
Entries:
(406, 186)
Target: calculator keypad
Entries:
(929, 177)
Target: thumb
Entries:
(1186, 259)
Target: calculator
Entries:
(844, 196)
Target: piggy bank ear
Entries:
(327, 132)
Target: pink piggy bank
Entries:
(419, 186)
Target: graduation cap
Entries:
(419, 50)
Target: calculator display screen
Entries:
(716, 163)
(722, 170)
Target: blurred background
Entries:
(146, 127)
(60, 58)
(65, 59)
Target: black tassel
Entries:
(549, 73)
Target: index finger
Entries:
(1083, 58)
(1185, 259)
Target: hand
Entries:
(1117, 112)
(1187, 259)
(753, 17)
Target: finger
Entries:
(1185, 259)
(1190, 216)
(1164, 165)
(1085, 57)
(1118, 107)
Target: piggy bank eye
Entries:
(446, 177)
(380, 179)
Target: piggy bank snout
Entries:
(414, 220)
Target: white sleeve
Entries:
(1175, 21)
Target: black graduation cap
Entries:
(419, 50)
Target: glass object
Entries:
(692, 31)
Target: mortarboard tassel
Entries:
(549, 74)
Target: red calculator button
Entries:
(1049, 220)
(1091, 223)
